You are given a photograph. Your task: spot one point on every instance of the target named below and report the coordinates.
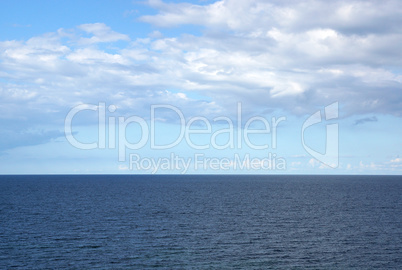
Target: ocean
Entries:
(200, 222)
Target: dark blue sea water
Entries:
(201, 222)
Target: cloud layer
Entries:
(288, 56)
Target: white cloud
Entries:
(349, 17)
(287, 53)
(292, 56)
(313, 162)
(396, 160)
(100, 33)
(396, 163)
(94, 56)
(372, 166)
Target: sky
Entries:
(231, 86)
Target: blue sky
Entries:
(220, 73)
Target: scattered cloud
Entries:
(372, 166)
(396, 163)
(288, 56)
(288, 53)
(365, 120)
(396, 160)
(100, 33)
(346, 17)
(313, 162)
